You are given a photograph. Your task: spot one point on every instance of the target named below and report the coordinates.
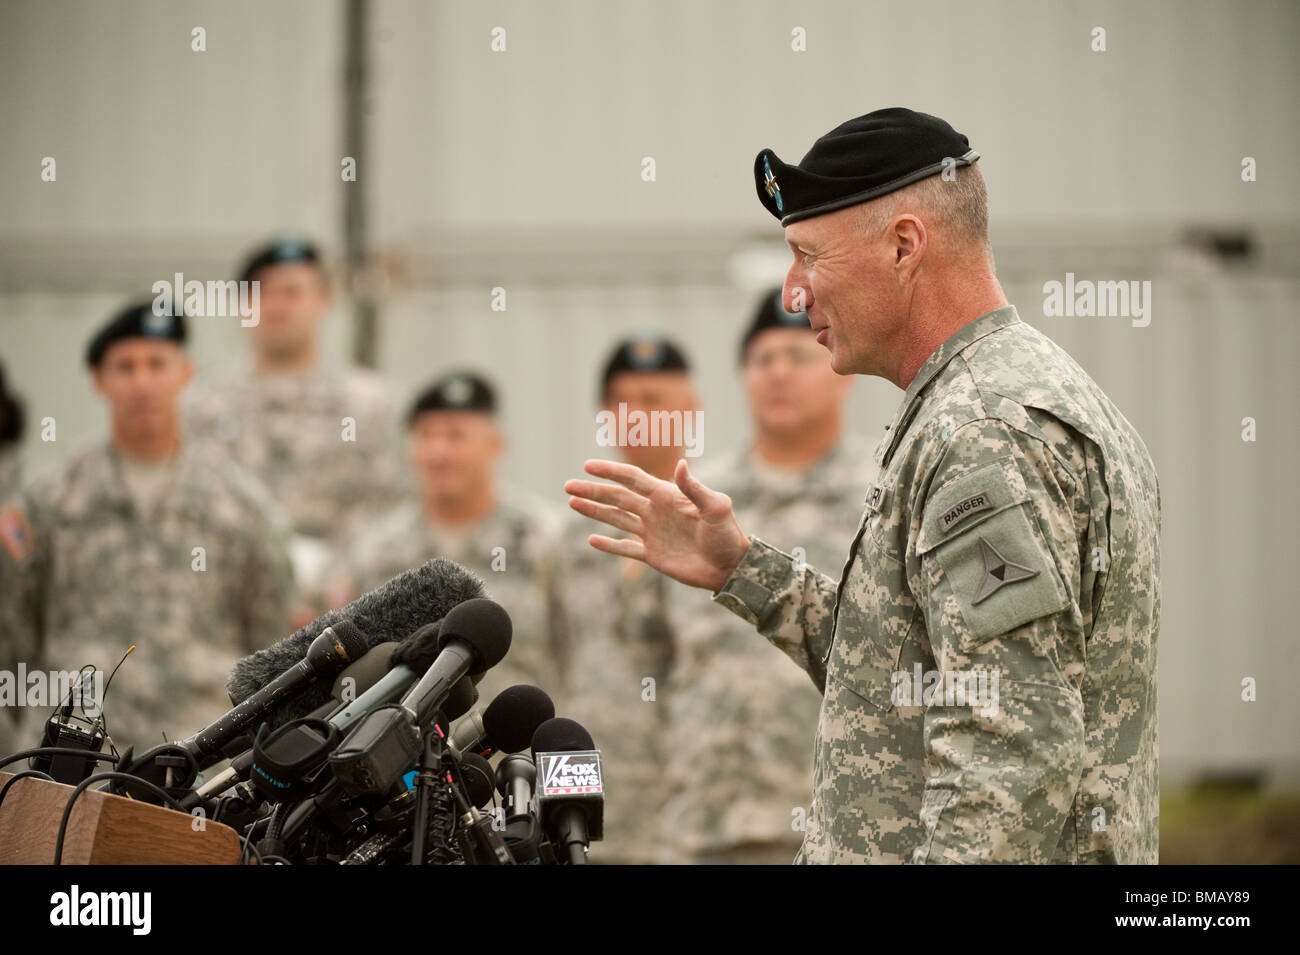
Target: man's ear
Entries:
(910, 241)
(187, 370)
(97, 378)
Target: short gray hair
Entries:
(958, 206)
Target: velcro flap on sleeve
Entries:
(967, 501)
(996, 568)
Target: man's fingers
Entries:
(611, 494)
(623, 548)
(628, 475)
(704, 498)
(613, 516)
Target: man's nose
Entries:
(795, 296)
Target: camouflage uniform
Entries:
(11, 474)
(624, 624)
(1012, 494)
(287, 430)
(740, 776)
(84, 575)
(515, 549)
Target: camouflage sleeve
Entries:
(268, 581)
(790, 603)
(996, 560)
(24, 574)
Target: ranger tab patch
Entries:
(964, 509)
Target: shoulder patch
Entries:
(995, 569)
(963, 509)
(15, 533)
(998, 571)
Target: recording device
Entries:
(334, 648)
(472, 638)
(570, 787)
(71, 732)
(65, 731)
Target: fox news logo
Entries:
(564, 774)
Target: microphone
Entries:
(363, 675)
(570, 790)
(390, 612)
(476, 774)
(507, 725)
(333, 649)
(174, 766)
(460, 698)
(516, 774)
(472, 638)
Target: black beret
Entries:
(771, 313)
(11, 414)
(859, 160)
(459, 391)
(137, 321)
(644, 351)
(285, 251)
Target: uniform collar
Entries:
(965, 336)
(190, 490)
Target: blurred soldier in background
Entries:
(507, 537)
(323, 438)
(146, 540)
(11, 432)
(739, 773)
(623, 621)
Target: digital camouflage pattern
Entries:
(740, 774)
(288, 431)
(1014, 528)
(515, 550)
(87, 575)
(624, 623)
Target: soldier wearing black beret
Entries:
(147, 537)
(462, 510)
(1008, 552)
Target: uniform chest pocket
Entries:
(875, 611)
(986, 561)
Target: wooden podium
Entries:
(104, 830)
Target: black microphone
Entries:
(476, 773)
(390, 612)
(570, 788)
(349, 685)
(516, 774)
(472, 638)
(333, 649)
(508, 723)
(460, 698)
